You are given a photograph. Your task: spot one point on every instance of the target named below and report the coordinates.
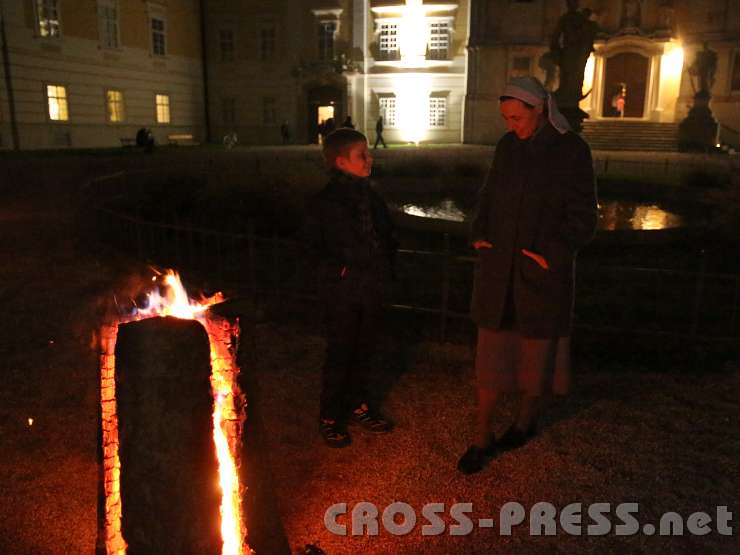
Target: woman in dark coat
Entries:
(536, 210)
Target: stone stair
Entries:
(630, 135)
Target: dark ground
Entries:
(631, 432)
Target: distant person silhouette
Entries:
(285, 132)
(348, 123)
(379, 133)
(329, 126)
(145, 139)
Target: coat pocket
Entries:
(560, 258)
(533, 274)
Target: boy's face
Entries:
(358, 161)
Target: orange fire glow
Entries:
(228, 413)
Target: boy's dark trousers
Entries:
(352, 327)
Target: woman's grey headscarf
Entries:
(530, 90)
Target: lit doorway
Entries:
(325, 113)
(625, 86)
(324, 103)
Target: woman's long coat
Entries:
(539, 195)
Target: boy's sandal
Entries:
(333, 434)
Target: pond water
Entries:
(613, 214)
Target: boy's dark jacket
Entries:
(348, 258)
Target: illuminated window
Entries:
(159, 37)
(47, 18)
(439, 40)
(56, 96)
(388, 41)
(437, 111)
(163, 108)
(108, 23)
(269, 111)
(388, 110)
(228, 111)
(521, 66)
(226, 42)
(267, 42)
(114, 99)
(327, 30)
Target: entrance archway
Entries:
(625, 85)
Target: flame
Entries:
(227, 417)
(175, 301)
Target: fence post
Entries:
(178, 249)
(699, 296)
(734, 305)
(139, 237)
(445, 288)
(275, 267)
(251, 247)
(219, 257)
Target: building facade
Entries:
(301, 62)
(642, 68)
(88, 73)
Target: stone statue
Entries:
(631, 14)
(667, 16)
(703, 70)
(570, 46)
(548, 64)
(699, 130)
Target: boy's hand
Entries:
(481, 244)
(541, 262)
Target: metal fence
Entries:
(695, 306)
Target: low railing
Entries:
(685, 305)
(667, 171)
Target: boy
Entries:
(351, 236)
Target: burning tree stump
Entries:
(169, 469)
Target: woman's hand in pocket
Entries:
(538, 258)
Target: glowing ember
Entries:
(171, 299)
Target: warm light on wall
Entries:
(414, 34)
(588, 83)
(671, 70)
(588, 74)
(412, 99)
(671, 64)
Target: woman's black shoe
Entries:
(514, 438)
(475, 458)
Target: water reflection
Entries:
(613, 214)
(446, 209)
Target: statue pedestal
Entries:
(698, 132)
